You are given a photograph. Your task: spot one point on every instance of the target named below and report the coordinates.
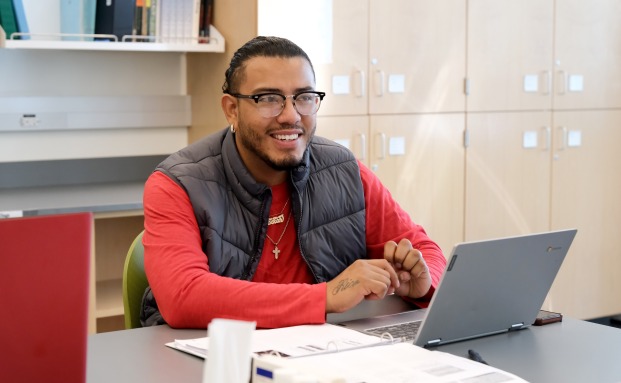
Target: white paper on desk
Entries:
(400, 362)
(292, 341)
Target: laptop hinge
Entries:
(433, 342)
(517, 326)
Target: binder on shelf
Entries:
(145, 18)
(7, 17)
(114, 17)
(77, 17)
(205, 20)
(153, 18)
(194, 16)
(43, 19)
(20, 18)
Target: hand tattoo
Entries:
(344, 285)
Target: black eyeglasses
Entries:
(272, 104)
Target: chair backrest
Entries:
(134, 283)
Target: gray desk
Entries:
(571, 351)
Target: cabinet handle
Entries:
(547, 81)
(562, 82)
(361, 83)
(363, 146)
(563, 138)
(379, 83)
(382, 151)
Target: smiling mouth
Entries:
(286, 137)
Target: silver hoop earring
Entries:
(232, 128)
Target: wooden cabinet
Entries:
(529, 172)
(419, 157)
(417, 56)
(543, 54)
(587, 54)
(507, 174)
(542, 127)
(510, 49)
(586, 190)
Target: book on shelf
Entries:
(7, 17)
(137, 24)
(179, 22)
(43, 19)
(20, 19)
(206, 15)
(77, 17)
(153, 18)
(114, 17)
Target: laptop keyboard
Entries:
(406, 330)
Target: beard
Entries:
(252, 142)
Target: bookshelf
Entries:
(100, 69)
(216, 45)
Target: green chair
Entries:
(134, 283)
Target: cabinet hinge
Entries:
(466, 86)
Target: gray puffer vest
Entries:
(232, 209)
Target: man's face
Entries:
(273, 144)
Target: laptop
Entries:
(44, 291)
(488, 287)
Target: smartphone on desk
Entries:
(546, 317)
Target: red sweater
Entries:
(281, 292)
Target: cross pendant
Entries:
(276, 252)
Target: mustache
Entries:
(300, 127)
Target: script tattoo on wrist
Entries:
(344, 285)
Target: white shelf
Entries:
(215, 46)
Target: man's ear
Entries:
(229, 107)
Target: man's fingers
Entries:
(390, 249)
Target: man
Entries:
(265, 222)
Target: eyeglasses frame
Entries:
(257, 96)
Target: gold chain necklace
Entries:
(280, 218)
(276, 250)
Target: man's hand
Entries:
(408, 262)
(363, 279)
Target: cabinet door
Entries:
(586, 194)
(349, 131)
(510, 54)
(507, 174)
(588, 53)
(335, 35)
(420, 159)
(417, 56)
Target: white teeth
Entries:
(287, 137)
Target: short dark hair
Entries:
(260, 46)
